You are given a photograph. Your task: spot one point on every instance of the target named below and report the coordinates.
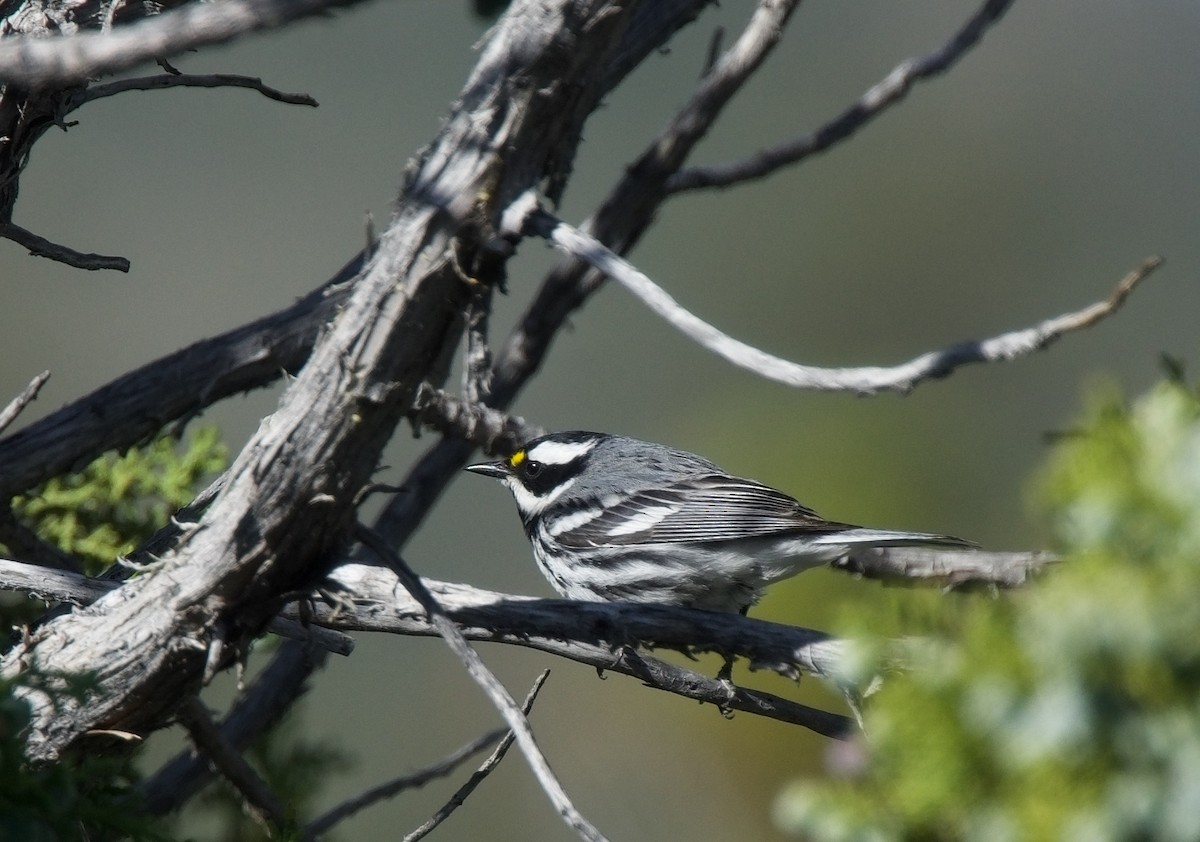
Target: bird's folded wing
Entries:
(697, 509)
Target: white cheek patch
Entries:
(558, 452)
(647, 518)
(529, 503)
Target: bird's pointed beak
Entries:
(495, 470)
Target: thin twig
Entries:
(485, 679)
(873, 103)
(41, 247)
(41, 62)
(17, 405)
(326, 821)
(464, 791)
(867, 380)
(187, 80)
(233, 767)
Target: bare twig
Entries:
(38, 62)
(485, 679)
(188, 80)
(874, 102)
(328, 820)
(41, 247)
(443, 767)
(17, 405)
(481, 425)
(864, 381)
(464, 791)
(208, 738)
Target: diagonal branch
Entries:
(263, 804)
(17, 405)
(463, 792)
(867, 380)
(874, 102)
(503, 736)
(263, 704)
(482, 676)
(139, 403)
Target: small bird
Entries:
(613, 518)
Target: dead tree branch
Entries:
(41, 247)
(504, 736)
(874, 102)
(481, 675)
(287, 505)
(187, 80)
(463, 792)
(868, 380)
(43, 62)
(261, 802)
(17, 405)
(258, 709)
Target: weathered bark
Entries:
(289, 497)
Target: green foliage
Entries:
(119, 500)
(77, 799)
(1070, 710)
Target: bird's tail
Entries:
(893, 538)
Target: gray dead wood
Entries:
(287, 504)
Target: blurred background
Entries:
(1027, 182)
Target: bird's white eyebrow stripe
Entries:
(558, 452)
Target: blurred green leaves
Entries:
(120, 500)
(1070, 710)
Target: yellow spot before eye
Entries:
(517, 458)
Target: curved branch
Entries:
(867, 380)
(874, 102)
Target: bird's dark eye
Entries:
(533, 469)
